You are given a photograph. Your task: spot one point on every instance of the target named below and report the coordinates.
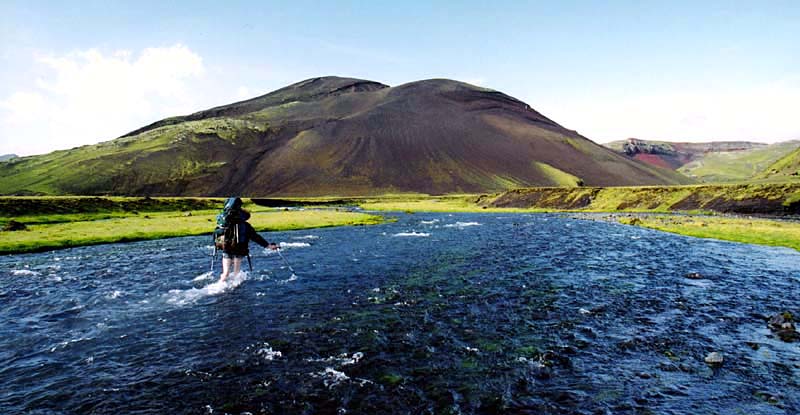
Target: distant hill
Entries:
(338, 136)
(788, 167)
(718, 161)
(6, 157)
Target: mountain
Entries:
(787, 167)
(717, 161)
(338, 136)
(6, 157)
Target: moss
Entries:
(469, 363)
(392, 379)
(528, 351)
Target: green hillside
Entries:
(732, 166)
(709, 162)
(787, 168)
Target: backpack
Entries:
(231, 232)
(231, 238)
(231, 212)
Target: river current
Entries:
(433, 313)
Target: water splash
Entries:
(285, 245)
(412, 234)
(202, 277)
(115, 294)
(462, 224)
(293, 277)
(189, 296)
(28, 272)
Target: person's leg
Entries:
(226, 267)
(237, 265)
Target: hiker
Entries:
(233, 235)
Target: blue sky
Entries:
(74, 73)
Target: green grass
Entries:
(558, 177)
(787, 167)
(45, 233)
(424, 203)
(736, 229)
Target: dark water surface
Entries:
(436, 313)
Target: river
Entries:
(433, 313)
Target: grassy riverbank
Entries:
(737, 229)
(90, 224)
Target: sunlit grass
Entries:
(157, 225)
(459, 203)
(736, 229)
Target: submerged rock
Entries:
(714, 359)
(782, 324)
(694, 276)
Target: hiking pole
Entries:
(285, 261)
(213, 260)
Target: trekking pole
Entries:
(213, 260)
(285, 261)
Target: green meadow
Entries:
(51, 230)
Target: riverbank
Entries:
(744, 229)
(774, 199)
(704, 211)
(54, 223)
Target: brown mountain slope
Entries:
(339, 136)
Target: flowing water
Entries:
(434, 313)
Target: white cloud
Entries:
(90, 96)
(766, 113)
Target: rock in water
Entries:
(714, 359)
(694, 276)
(781, 321)
(782, 324)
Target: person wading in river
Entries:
(233, 235)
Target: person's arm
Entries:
(253, 235)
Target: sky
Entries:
(76, 73)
